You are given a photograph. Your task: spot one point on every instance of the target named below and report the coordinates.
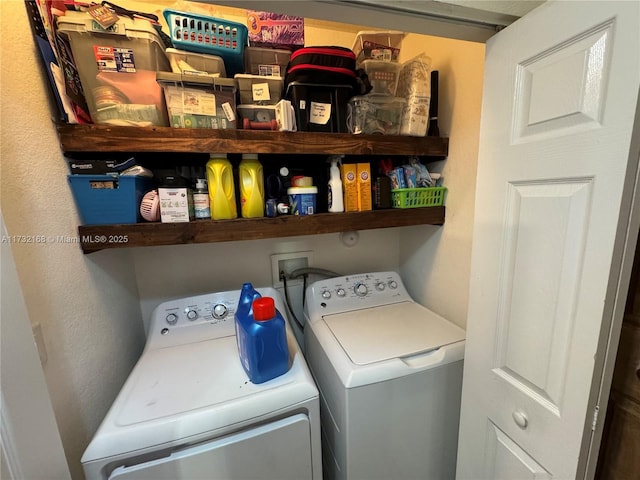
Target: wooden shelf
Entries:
(90, 139)
(99, 237)
(106, 138)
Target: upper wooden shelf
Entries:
(107, 138)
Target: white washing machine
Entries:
(189, 411)
(390, 378)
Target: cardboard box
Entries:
(275, 30)
(176, 205)
(348, 172)
(363, 173)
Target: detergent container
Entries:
(262, 341)
(251, 180)
(221, 190)
(302, 200)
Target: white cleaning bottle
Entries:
(336, 202)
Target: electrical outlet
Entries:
(287, 263)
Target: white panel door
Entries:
(560, 94)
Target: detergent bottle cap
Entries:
(264, 308)
(217, 155)
(250, 156)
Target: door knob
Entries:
(520, 418)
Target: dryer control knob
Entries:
(393, 284)
(361, 289)
(341, 292)
(192, 314)
(326, 294)
(380, 286)
(172, 318)
(219, 311)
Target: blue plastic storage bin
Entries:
(215, 36)
(108, 199)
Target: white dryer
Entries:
(390, 378)
(189, 411)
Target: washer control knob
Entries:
(380, 286)
(326, 294)
(192, 314)
(172, 318)
(361, 289)
(393, 284)
(219, 311)
(340, 292)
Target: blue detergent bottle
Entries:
(262, 342)
(244, 314)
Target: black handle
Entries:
(433, 106)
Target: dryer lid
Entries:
(391, 331)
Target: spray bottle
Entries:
(336, 202)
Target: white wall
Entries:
(87, 306)
(91, 307)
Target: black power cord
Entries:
(304, 273)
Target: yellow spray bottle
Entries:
(251, 180)
(221, 190)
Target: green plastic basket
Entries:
(418, 197)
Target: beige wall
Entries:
(91, 307)
(87, 306)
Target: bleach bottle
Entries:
(222, 195)
(251, 179)
(262, 341)
(336, 202)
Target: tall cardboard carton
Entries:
(349, 175)
(363, 173)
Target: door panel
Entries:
(547, 106)
(544, 248)
(507, 461)
(558, 107)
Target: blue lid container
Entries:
(262, 340)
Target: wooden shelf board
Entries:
(107, 138)
(98, 237)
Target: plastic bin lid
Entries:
(199, 62)
(82, 22)
(302, 190)
(357, 43)
(197, 80)
(245, 80)
(378, 98)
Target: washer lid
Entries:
(391, 331)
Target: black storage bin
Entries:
(320, 108)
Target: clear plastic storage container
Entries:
(259, 89)
(378, 45)
(383, 76)
(266, 61)
(376, 114)
(195, 63)
(117, 68)
(195, 101)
